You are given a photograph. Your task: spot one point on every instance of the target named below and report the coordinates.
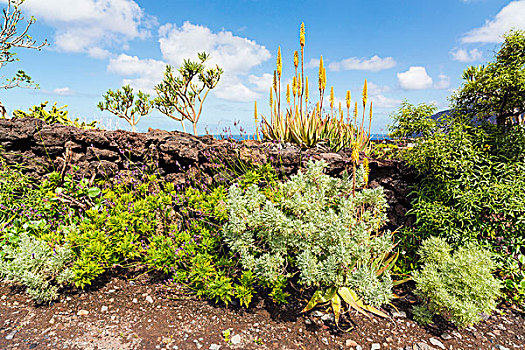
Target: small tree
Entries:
(11, 37)
(412, 121)
(496, 89)
(181, 95)
(124, 104)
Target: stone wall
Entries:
(42, 148)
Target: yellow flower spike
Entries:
(355, 152)
(255, 114)
(279, 63)
(296, 59)
(321, 69)
(348, 99)
(324, 78)
(271, 98)
(275, 80)
(366, 168)
(294, 86)
(306, 95)
(370, 120)
(355, 115)
(302, 35)
(332, 97)
(299, 82)
(288, 93)
(365, 94)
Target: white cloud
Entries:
(376, 95)
(416, 78)
(373, 64)
(313, 63)
(463, 55)
(143, 74)
(234, 54)
(511, 16)
(443, 82)
(262, 83)
(65, 91)
(232, 89)
(91, 26)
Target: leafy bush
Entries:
(459, 286)
(36, 265)
(315, 227)
(53, 116)
(413, 121)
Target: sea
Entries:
(238, 137)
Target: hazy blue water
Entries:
(250, 137)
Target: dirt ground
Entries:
(141, 313)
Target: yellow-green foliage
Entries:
(306, 127)
(459, 286)
(53, 116)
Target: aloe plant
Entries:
(297, 124)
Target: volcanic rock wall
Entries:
(42, 148)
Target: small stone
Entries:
(149, 299)
(422, 346)
(324, 340)
(389, 339)
(436, 342)
(307, 321)
(134, 300)
(11, 335)
(375, 346)
(104, 308)
(501, 347)
(82, 313)
(446, 336)
(457, 334)
(52, 320)
(328, 317)
(317, 313)
(236, 339)
(214, 347)
(399, 314)
(358, 347)
(350, 342)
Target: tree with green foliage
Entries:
(126, 105)
(497, 89)
(10, 38)
(181, 95)
(412, 121)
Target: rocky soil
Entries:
(139, 313)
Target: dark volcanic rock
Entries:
(178, 156)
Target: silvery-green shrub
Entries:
(459, 286)
(313, 225)
(34, 264)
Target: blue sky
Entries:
(414, 50)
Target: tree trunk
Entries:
(195, 129)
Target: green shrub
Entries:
(315, 227)
(413, 121)
(54, 116)
(458, 286)
(36, 265)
